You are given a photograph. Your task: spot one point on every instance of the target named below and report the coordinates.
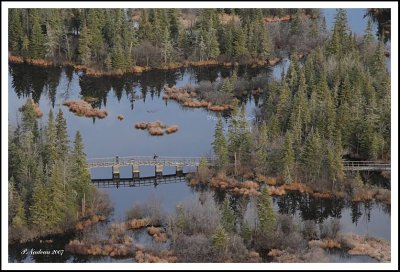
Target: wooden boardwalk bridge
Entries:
(180, 162)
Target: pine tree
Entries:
(19, 218)
(239, 43)
(266, 214)
(84, 46)
(246, 233)
(220, 145)
(213, 41)
(80, 178)
(312, 155)
(37, 39)
(228, 217)
(288, 158)
(39, 209)
(220, 238)
(16, 32)
(51, 149)
(166, 46)
(261, 148)
(62, 135)
(57, 197)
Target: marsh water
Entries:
(139, 98)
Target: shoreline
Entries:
(91, 72)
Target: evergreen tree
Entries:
(51, 150)
(261, 148)
(288, 158)
(220, 145)
(266, 214)
(239, 43)
(220, 238)
(62, 136)
(15, 31)
(37, 39)
(166, 48)
(80, 179)
(40, 207)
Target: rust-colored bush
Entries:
(120, 117)
(156, 128)
(15, 59)
(83, 108)
(297, 186)
(162, 257)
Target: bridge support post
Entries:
(179, 170)
(135, 171)
(159, 170)
(115, 172)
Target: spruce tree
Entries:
(37, 39)
(266, 214)
(220, 145)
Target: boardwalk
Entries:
(145, 161)
(366, 166)
(195, 161)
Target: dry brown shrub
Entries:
(326, 243)
(250, 185)
(138, 69)
(277, 191)
(162, 257)
(120, 117)
(138, 223)
(90, 221)
(275, 252)
(171, 129)
(363, 194)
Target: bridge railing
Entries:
(97, 162)
(367, 164)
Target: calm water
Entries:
(139, 98)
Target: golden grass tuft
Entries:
(171, 129)
(376, 248)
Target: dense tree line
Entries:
(49, 182)
(334, 104)
(111, 39)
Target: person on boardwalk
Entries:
(155, 157)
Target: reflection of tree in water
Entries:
(383, 18)
(355, 212)
(310, 208)
(28, 80)
(239, 205)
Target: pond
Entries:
(139, 98)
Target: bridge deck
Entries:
(195, 161)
